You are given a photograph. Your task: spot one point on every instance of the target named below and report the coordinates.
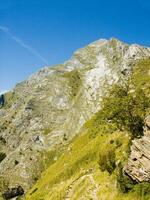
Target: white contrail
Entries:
(23, 44)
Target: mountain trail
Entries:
(91, 188)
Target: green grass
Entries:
(83, 154)
(47, 130)
(92, 164)
(10, 98)
(75, 81)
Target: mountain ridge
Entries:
(46, 111)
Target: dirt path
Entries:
(89, 193)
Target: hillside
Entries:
(74, 123)
(95, 164)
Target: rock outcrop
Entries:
(138, 166)
(13, 192)
(2, 100)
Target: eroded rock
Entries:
(138, 166)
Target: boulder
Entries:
(13, 192)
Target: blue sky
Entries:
(35, 33)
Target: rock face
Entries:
(138, 166)
(13, 192)
(49, 108)
(2, 100)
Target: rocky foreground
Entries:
(138, 167)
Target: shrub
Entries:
(124, 183)
(127, 110)
(142, 190)
(107, 161)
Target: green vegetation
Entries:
(3, 184)
(98, 154)
(75, 81)
(125, 184)
(50, 157)
(10, 98)
(80, 158)
(87, 56)
(125, 106)
(143, 190)
(47, 130)
(126, 110)
(107, 161)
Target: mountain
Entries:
(51, 122)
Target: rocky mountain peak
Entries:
(49, 108)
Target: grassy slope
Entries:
(78, 165)
(77, 173)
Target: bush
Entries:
(142, 190)
(125, 183)
(127, 110)
(107, 161)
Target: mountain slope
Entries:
(43, 114)
(93, 164)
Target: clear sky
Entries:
(35, 33)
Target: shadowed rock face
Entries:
(2, 100)
(138, 166)
(49, 108)
(13, 192)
